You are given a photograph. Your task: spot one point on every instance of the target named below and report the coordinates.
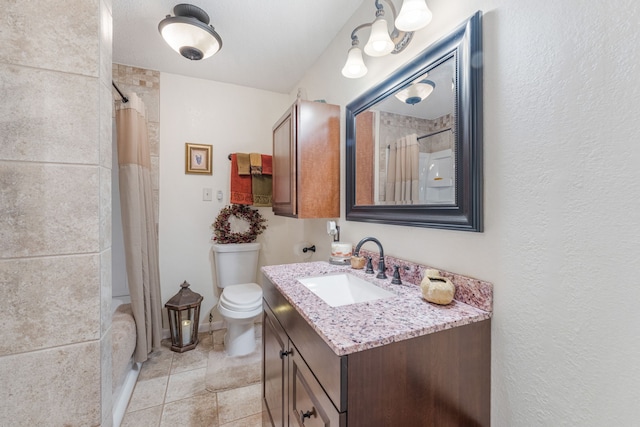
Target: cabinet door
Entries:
(284, 165)
(318, 158)
(309, 406)
(275, 351)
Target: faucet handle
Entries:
(369, 267)
(396, 274)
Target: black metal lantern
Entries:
(184, 315)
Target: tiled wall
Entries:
(145, 83)
(55, 213)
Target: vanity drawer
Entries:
(329, 369)
(309, 405)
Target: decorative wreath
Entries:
(222, 228)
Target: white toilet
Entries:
(240, 301)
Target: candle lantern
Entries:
(184, 315)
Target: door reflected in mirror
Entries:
(405, 144)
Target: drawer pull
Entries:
(284, 354)
(307, 414)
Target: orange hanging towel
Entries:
(240, 185)
(267, 167)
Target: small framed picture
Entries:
(198, 159)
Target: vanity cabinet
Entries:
(306, 161)
(440, 379)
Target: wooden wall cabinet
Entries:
(306, 161)
(440, 379)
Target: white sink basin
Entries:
(343, 289)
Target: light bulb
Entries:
(414, 15)
(379, 43)
(354, 67)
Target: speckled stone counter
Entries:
(356, 327)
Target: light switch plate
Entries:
(206, 194)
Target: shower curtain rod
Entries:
(430, 134)
(124, 98)
(435, 133)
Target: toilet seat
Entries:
(244, 297)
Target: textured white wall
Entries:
(232, 119)
(561, 202)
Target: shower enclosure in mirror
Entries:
(414, 141)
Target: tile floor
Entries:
(170, 391)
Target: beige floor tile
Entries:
(218, 338)
(239, 403)
(158, 364)
(190, 360)
(252, 421)
(206, 341)
(225, 373)
(186, 384)
(149, 417)
(197, 411)
(148, 393)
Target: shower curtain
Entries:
(140, 237)
(402, 184)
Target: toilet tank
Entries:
(235, 263)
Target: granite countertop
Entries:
(361, 326)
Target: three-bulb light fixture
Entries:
(414, 15)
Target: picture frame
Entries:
(198, 159)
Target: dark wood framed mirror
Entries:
(414, 141)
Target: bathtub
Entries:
(125, 371)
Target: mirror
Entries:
(414, 141)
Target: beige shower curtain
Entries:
(140, 237)
(402, 185)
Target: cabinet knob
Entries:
(284, 354)
(306, 414)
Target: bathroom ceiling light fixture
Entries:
(382, 41)
(416, 92)
(189, 32)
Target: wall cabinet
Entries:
(441, 379)
(306, 161)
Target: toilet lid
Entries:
(243, 297)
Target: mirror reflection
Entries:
(405, 144)
(413, 152)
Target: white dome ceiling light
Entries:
(189, 32)
(416, 92)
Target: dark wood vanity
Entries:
(439, 379)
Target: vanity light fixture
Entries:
(189, 32)
(354, 68)
(414, 15)
(382, 42)
(416, 92)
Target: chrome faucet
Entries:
(381, 266)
